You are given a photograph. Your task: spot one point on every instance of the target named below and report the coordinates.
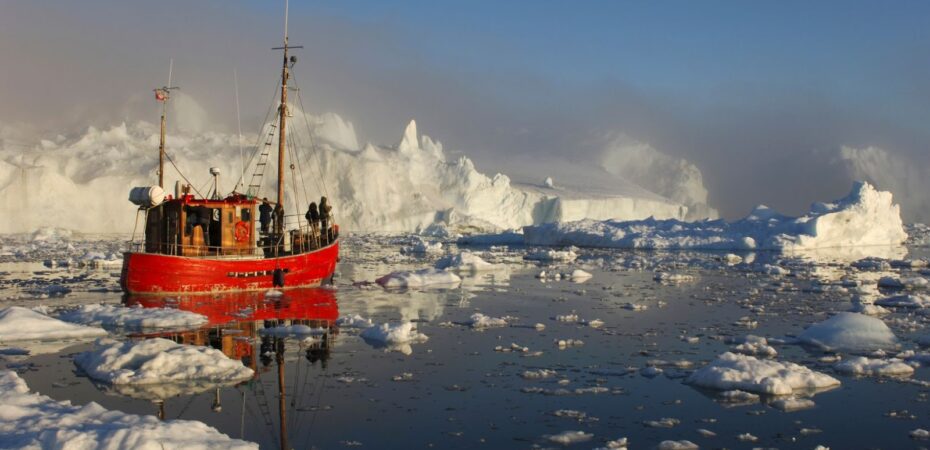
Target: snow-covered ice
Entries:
(865, 217)
(849, 332)
(860, 365)
(158, 360)
(23, 324)
(394, 334)
(734, 371)
(419, 278)
(31, 420)
(113, 316)
(467, 262)
(570, 437)
(551, 255)
(481, 321)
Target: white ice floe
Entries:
(565, 343)
(467, 262)
(394, 334)
(849, 332)
(423, 247)
(754, 346)
(569, 437)
(538, 374)
(551, 255)
(580, 276)
(903, 283)
(919, 433)
(665, 422)
(865, 217)
(738, 397)
(677, 445)
(868, 309)
(792, 404)
(733, 371)
(673, 278)
(906, 301)
(480, 321)
(32, 420)
(354, 321)
(860, 365)
(23, 324)
(158, 361)
(114, 316)
(419, 278)
(617, 444)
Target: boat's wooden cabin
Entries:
(187, 226)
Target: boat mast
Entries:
(162, 95)
(282, 119)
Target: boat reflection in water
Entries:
(238, 325)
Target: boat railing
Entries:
(300, 237)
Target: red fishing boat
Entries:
(234, 242)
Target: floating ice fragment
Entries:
(393, 334)
(860, 365)
(792, 404)
(733, 371)
(23, 324)
(570, 437)
(849, 332)
(665, 422)
(159, 361)
(481, 321)
(677, 445)
(419, 278)
(91, 426)
(112, 316)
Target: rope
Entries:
(261, 133)
(171, 160)
(313, 146)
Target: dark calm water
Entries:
(456, 391)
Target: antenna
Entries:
(239, 127)
(163, 94)
(285, 21)
(170, 69)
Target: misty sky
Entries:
(759, 95)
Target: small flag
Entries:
(161, 95)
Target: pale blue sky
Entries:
(746, 90)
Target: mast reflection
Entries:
(238, 324)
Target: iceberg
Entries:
(408, 187)
(865, 217)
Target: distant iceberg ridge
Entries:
(865, 217)
(81, 182)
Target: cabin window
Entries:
(229, 217)
(246, 214)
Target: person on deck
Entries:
(313, 219)
(264, 215)
(325, 216)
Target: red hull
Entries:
(150, 273)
